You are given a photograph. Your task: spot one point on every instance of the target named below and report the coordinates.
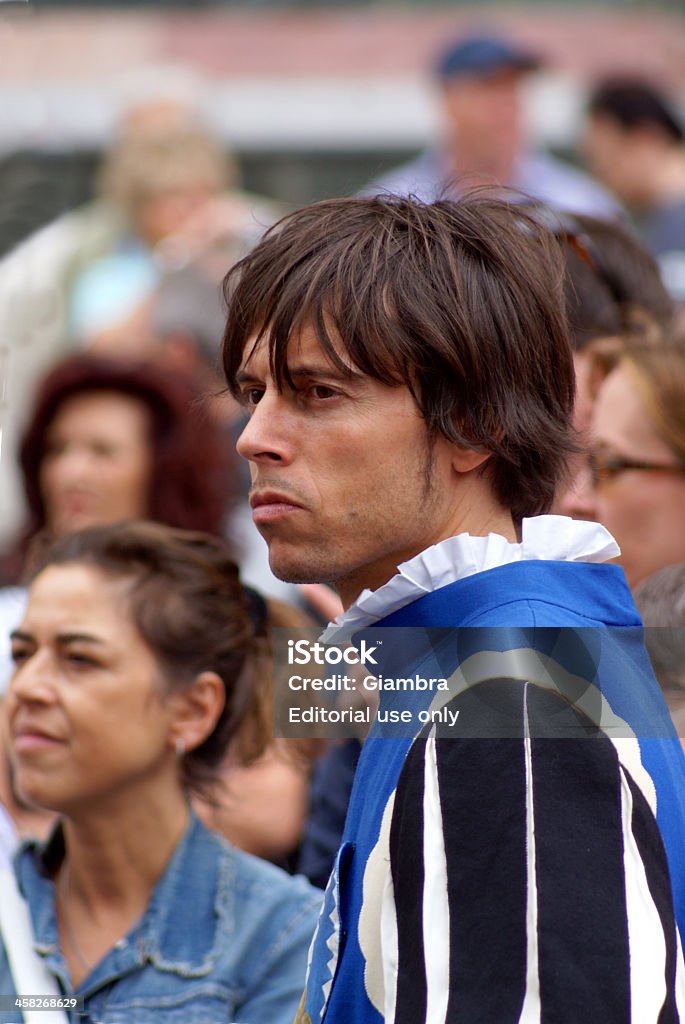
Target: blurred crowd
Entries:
(112, 319)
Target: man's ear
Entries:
(465, 459)
(197, 710)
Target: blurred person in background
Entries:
(638, 457)
(613, 291)
(112, 439)
(155, 184)
(136, 668)
(174, 192)
(634, 142)
(166, 189)
(480, 79)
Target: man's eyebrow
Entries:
(243, 376)
(62, 638)
(327, 370)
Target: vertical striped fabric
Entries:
(529, 883)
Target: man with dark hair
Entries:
(409, 378)
(634, 142)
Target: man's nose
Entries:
(268, 434)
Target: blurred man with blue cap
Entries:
(484, 141)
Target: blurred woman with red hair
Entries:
(111, 439)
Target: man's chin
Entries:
(291, 569)
(294, 574)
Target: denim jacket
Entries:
(224, 939)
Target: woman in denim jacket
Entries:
(138, 661)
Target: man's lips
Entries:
(270, 505)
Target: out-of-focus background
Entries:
(313, 99)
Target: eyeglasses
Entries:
(606, 467)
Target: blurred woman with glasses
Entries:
(613, 291)
(638, 457)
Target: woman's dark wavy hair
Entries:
(189, 606)
(190, 485)
(460, 301)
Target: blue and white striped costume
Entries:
(512, 876)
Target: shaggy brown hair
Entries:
(461, 302)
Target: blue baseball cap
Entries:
(481, 55)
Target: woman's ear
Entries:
(196, 712)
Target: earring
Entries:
(180, 746)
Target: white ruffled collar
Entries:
(548, 538)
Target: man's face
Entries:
(345, 485)
(483, 115)
(615, 156)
